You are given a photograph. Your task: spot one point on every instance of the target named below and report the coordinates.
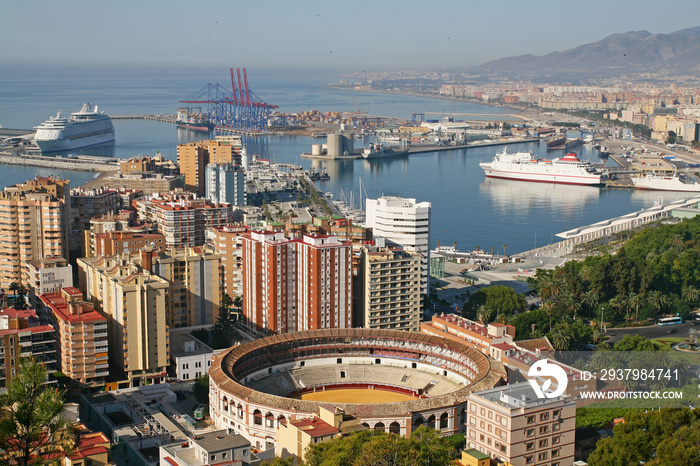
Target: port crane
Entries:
(239, 109)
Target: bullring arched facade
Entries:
(252, 386)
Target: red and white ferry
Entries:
(524, 166)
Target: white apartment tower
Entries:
(405, 222)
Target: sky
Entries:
(371, 35)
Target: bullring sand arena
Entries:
(389, 379)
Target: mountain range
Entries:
(632, 53)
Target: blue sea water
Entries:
(467, 208)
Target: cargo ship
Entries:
(556, 143)
(194, 120)
(380, 151)
(673, 182)
(524, 166)
(84, 128)
(564, 144)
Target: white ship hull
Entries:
(664, 183)
(539, 174)
(84, 128)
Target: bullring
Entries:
(258, 385)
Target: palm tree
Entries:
(561, 341)
(677, 242)
(690, 294)
(484, 314)
(619, 303)
(658, 301)
(478, 248)
(571, 303)
(455, 243)
(504, 249)
(590, 298)
(547, 306)
(635, 301)
(492, 250)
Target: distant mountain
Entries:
(631, 53)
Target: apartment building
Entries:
(404, 222)
(23, 336)
(512, 425)
(184, 219)
(227, 241)
(126, 242)
(389, 294)
(294, 284)
(33, 225)
(124, 220)
(193, 158)
(225, 183)
(134, 301)
(83, 346)
(194, 291)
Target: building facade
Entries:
(33, 225)
(82, 336)
(23, 336)
(294, 284)
(511, 424)
(228, 242)
(390, 286)
(194, 276)
(193, 158)
(134, 301)
(225, 183)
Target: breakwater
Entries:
(57, 162)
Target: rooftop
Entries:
(315, 427)
(220, 440)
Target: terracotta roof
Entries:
(315, 427)
(535, 344)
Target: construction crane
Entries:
(239, 109)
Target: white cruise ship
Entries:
(83, 128)
(666, 183)
(526, 167)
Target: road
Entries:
(653, 331)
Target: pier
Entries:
(80, 163)
(423, 148)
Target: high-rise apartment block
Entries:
(292, 284)
(389, 295)
(184, 219)
(228, 242)
(23, 336)
(124, 220)
(194, 157)
(134, 301)
(45, 275)
(225, 183)
(194, 275)
(33, 225)
(512, 424)
(404, 222)
(82, 336)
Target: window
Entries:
(556, 440)
(544, 417)
(555, 453)
(245, 452)
(556, 426)
(472, 408)
(542, 456)
(544, 443)
(503, 448)
(531, 419)
(556, 413)
(530, 432)
(529, 459)
(530, 446)
(544, 429)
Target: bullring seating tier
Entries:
(284, 383)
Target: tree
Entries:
(671, 137)
(200, 389)
(18, 301)
(504, 249)
(31, 421)
(635, 301)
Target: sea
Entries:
(468, 209)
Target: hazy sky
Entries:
(330, 34)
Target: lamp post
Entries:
(602, 313)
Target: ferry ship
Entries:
(380, 151)
(84, 128)
(524, 166)
(673, 182)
